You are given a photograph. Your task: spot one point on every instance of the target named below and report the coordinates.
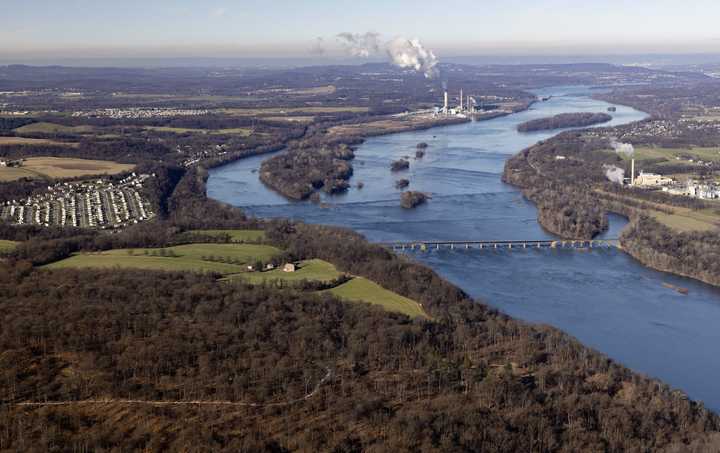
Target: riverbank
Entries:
(605, 298)
(573, 198)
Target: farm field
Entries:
(313, 270)
(52, 128)
(7, 246)
(224, 259)
(275, 111)
(62, 167)
(364, 290)
(235, 235)
(291, 119)
(13, 174)
(8, 141)
(244, 132)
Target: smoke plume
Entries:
(402, 52)
(410, 53)
(360, 45)
(623, 148)
(614, 174)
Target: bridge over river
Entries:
(499, 244)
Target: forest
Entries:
(297, 173)
(468, 379)
(170, 361)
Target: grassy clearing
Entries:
(681, 219)
(62, 167)
(52, 128)
(235, 235)
(244, 132)
(364, 290)
(7, 246)
(705, 154)
(312, 270)
(688, 220)
(8, 141)
(224, 259)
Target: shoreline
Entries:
(353, 140)
(627, 246)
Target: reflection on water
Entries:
(603, 297)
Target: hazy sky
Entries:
(255, 28)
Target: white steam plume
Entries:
(360, 45)
(614, 174)
(410, 53)
(402, 52)
(623, 148)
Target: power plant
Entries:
(468, 108)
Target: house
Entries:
(289, 267)
(269, 267)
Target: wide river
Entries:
(603, 297)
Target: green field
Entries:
(358, 289)
(244, 132)
(7, 246)
(225, 259)
(364, 290)
(235, 235)
(679, 218)
(705, 154)
(313, 270)
(52, 128)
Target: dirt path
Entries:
(306, 397)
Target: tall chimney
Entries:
(632, 172)
(461, 99)
(445, 108)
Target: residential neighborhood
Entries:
(97, 203)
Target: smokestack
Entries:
(445, 107)
(461, 99)
(632, 172)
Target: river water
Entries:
(602, 297)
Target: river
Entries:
(602, 297)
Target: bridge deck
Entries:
(537, 243)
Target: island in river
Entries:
(625, 311)
(563, 121)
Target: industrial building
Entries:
(465, 107)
